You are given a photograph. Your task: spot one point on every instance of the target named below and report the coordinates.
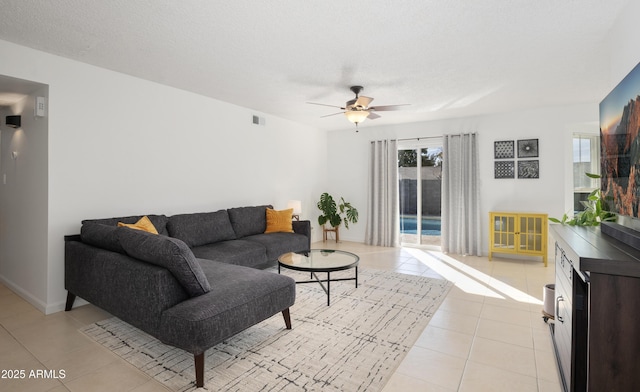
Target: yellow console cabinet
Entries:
(518, 233)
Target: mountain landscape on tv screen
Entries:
(620, 151)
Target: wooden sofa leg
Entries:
(70, 299)
(199, 363)
(287, 318)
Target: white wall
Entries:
(623, 43)
(552, 126)
(119, 145)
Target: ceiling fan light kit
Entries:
(357, 110)
(356, 116)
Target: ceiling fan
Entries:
(357, 110)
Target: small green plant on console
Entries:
(596, 210)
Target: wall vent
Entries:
(257, 120)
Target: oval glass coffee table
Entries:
(321, 260)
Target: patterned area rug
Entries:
(353, 345)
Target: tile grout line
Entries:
(473, 343)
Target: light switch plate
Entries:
(40, 106)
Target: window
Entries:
(586, 159)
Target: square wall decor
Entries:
(528, 148)
(529, 169)
(503, 149)
(504, 169)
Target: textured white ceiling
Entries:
(447, 58)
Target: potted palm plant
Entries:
(335, 213)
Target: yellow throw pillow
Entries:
(143, 224)
(279, 221)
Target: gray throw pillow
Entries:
(167, 252)
(101, 236)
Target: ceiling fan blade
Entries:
(332, 114)
(373, 116)
(388, 108)
(324, 104)
(363, 101)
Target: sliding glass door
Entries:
(420, 180)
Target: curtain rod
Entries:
(437, 137)
(419, 138)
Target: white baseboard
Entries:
(24, 294)
(59, 306)
(37, 303)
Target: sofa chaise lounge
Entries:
(193, 284)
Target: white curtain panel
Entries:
(460, 195)
(383, 223)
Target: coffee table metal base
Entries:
(327, 289)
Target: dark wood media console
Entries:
(596, 330)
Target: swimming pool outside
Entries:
(430, 225)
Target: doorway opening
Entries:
(24, 191)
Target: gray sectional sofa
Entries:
(192, 285)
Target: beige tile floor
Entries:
(488, 334)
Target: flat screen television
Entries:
(620, 149)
